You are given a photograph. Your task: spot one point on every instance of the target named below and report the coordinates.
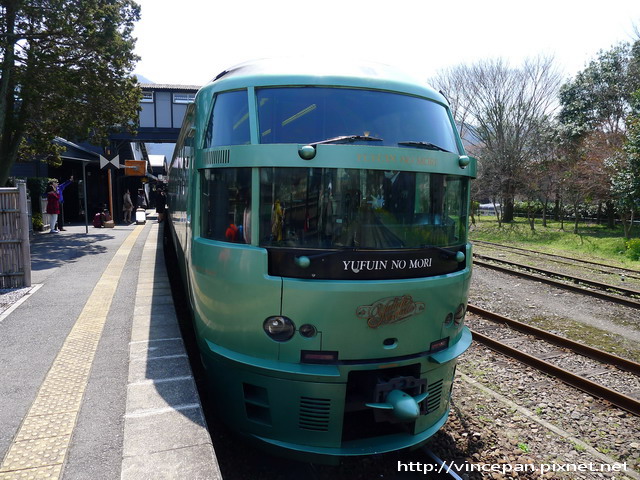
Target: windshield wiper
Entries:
(447, 253)
(425, 145)
(347, 138)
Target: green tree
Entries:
(595, 109)
(598, 98)
(65, 71)
(625, 182)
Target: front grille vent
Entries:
(314, 414)
(435, 394)
(216, 157)
(256, 404)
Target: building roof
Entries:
(76, 152)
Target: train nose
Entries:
(403, 406)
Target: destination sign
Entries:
(357, 266)
(362, 264)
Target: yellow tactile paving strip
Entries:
(40, 446)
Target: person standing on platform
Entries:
(53, 204)
(142, 201)
(161, 204)
(127, 206)
(61, 201)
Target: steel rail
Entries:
(625, 402)
(586, 281)
(582, 349)
(444, 469)
(605, 296)
(537, 252)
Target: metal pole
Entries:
(84, 189)
(24, 226)
(110, 194)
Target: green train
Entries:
(320, 217)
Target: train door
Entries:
(189, 179)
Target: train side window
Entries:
(229, 121)
(226, 204)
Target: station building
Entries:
(162, 109)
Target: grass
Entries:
(593, 242)
(591, 335)
(524, 447)
(577, 447)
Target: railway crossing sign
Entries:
(113, 164)
(137, 168)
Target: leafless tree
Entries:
(499, 110)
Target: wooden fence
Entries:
(15, 256)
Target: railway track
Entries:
(561, 259)
(514, 347)
(441, 468)
(621, 295)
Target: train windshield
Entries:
(323, 114)
(327, 208)
(368, 209)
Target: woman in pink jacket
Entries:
(53, 205)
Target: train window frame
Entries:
(209, 140)
(230, 226)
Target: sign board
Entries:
(363, 264)
(135, 168)
(113, 164)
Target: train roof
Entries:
(335, 72)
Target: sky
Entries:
(189, 42)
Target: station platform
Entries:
(96, 383)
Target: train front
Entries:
(330, 268)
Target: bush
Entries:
(520, 208)
(36, 220)
(633, 249)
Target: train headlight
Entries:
(279, 328)
(308, 331)
(459, 315)
(448, 320)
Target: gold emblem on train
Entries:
(389, 310)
